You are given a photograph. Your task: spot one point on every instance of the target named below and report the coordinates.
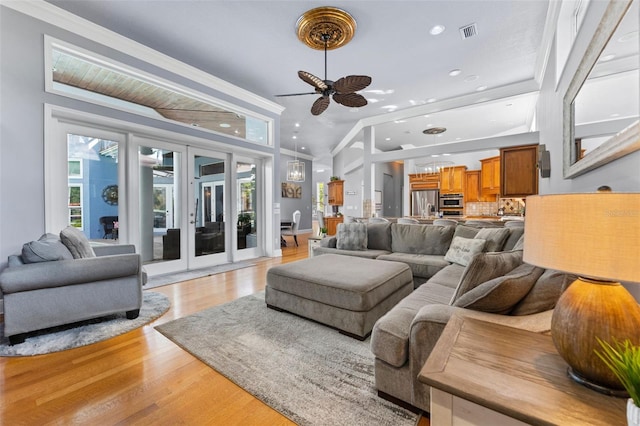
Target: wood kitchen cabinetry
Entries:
(332, 224)
(418, 181)
(336, 192)
(472, 187)
(490, 178)
(519, 176)
(453, 179)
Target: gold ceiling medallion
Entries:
(315, 24)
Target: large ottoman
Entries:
(345, 292)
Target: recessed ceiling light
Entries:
(454, 73)
(614, 115)
(400, 121)
(225, 125)
(608, 57)
(297, 124)
(303, 148)
(470, 78)
(294, 137)
(426, 116)
(446, 155)
(320, 170)
(481, 88)
(431, 100)
(390, 107)
(437, 29)
(435, 155)
(387, 139)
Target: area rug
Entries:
(86, 332)
(172, 278)
(308, 372)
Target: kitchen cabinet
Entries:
(332, 224)
(452, 179)
(519, 171)
(472, 187)
(490, 178)
(336, 192)
(418, 181)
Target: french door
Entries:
(183, 207)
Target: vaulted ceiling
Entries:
(480, 86)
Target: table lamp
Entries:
(597, 237)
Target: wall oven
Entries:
(451, 201)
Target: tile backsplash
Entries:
(481, 209)
(512, 205)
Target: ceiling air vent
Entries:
(468, 31)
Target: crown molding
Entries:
(58, 17)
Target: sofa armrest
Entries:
(111, 249)
(69, 272)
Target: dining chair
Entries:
(292, 231)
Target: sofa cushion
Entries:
(494, 237)
(379, 236)
(422, 265)
(519, 245)
(465, 231)
(352, 236)
(501, 294)
(47, 248)
(328, 242)
(484, 267)
(421, 239)
(368, 254)
(448, 276)
(462, 250)
(76, 242)
(514, 236)
(545, 293)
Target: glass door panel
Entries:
(159, 205)
(247, 224)
(207, 219)
(92, 170)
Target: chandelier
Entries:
(295, 168)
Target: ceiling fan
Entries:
(343, 90)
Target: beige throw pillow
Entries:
(462, 250)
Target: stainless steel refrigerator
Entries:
(423, 200)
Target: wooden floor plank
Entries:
(141, 377)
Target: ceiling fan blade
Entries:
(296, 94)
(316, 82)
(352, 83)
(320, 105)
(352, 100)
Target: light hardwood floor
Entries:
(142, 377)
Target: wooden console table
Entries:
(484, 373)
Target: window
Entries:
(80, 74)
(75, 205)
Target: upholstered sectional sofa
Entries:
(462, 270)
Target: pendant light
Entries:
(295, 168)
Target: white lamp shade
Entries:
(593, 235)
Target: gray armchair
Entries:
(52, 293)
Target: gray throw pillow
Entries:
(48, 248)
(501, 294)
(484, 267)
(495, 238)
(352, 236)
(329, 242)
(462, 250)
(379, 236)
(76, 242)
(545, 293)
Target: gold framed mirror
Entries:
(601, 103)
